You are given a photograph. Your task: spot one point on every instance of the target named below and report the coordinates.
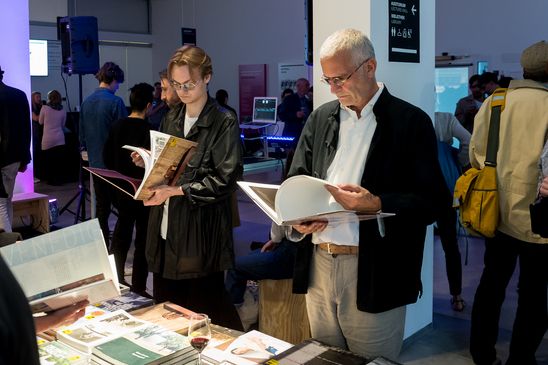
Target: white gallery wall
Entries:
(493, 31)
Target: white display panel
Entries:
(38, 52)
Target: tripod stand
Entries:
(80, 212)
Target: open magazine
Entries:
(164, 163)
(63, 267)
(300, 199)
(251, 348)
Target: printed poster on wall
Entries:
(252, 82)
(289, 73)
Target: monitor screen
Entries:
(265, 109)
(38, 57)
(451, 85)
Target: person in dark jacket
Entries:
(381, 153)
(189, 241)
(15, 133)
(134, 131)
(294, 109)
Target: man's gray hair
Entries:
(348, 40)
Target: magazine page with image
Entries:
(163, 164)
(63, 267)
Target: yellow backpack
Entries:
(476, 194)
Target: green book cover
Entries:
(124, 351)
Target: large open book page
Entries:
(300, 199)
(63, 267)
(164, 163)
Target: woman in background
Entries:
(53, 118)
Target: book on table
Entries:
(301, 199)
(168, 315)
(85, 335)
(251, 348)
(312, 351)
(129, 302)
(147, 345)
(164, 163)
(57, 353)
(60, 268)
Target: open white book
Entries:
(63, 267)
(301, 199)
(164, 163)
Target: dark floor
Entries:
(444, 342)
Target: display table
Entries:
(33, 206)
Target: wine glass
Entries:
(199, 333)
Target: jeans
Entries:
(501, 255)
(276, 264)
(447, 229)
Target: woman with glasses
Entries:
(189, 243)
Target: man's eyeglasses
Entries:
(187, 86)
(340, 80)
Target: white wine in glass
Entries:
(199, 333)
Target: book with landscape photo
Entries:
(129, 302)
(63, 267)
(57, 353)
(85, 336)
(164, 163)
(147, 345)
(301, 199)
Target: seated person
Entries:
(273, 261)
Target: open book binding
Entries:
(301, 199)
(164, 164)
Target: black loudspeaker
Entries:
(79, 44)
(308, 39)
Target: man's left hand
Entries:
(355, 197)
(544, 187)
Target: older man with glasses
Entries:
(380, 152)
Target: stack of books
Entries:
(56, 353)
(148, 345)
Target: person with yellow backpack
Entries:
(523, 132)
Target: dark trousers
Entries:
(276, 264)
(103, 202)
(205, 294)
(53, 167)
(131, 213)
(501, 254)
(447, 230)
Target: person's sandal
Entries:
(458, 304)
